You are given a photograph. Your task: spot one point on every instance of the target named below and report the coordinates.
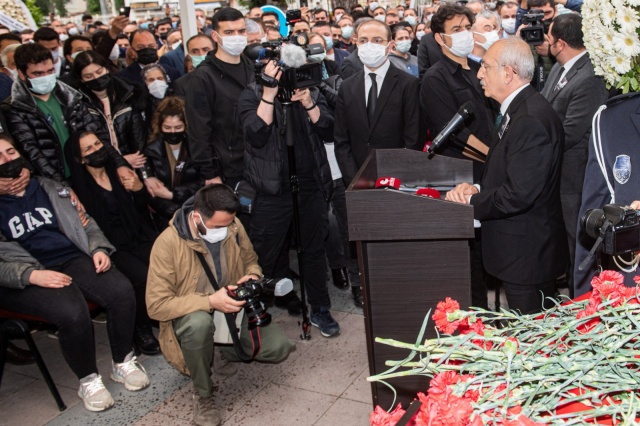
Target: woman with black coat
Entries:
(120, 104)
(119, 207)
(173, 176)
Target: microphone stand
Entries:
(287, 113)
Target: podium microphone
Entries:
(463, 113)
(429, 192)
(388, 182)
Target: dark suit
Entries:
(133, 73)
(524, 241)
(620, 136)
(395, 122)
(174, 59)
(429, 52)
(339, 55)
(350, 65)
(575, 102)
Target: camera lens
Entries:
(257, 316)
(592, 220)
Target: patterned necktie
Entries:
(372, 98)
(498, 121)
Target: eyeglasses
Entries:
(376, 40)
(484, 65)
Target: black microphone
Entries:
(463, 113)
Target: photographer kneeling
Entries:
(181, 296)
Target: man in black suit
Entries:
(575, 93)
(387, 117)
(518, 198)
(145, 52)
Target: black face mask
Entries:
(12, 169)
(97, 159)
(173, 138)
(163, 36)
(147, 56)
(98, 84)
(546, 24)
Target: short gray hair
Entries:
(488, 14)
(5, 52)
(516, 54)
(252, 26)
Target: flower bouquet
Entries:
(610, 30)
(576, 363)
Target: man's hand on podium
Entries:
(461, 193)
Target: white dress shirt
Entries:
(380, 75)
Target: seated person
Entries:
(181, 297)
(52, 261)
(173, 177)
(119, 207)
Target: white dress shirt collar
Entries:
(505, 104)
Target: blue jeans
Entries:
(67, 309)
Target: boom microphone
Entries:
(463, 113)
(293, 56)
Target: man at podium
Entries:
(518, 197)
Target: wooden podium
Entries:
(413, 251)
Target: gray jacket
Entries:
(16, 264)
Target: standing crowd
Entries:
(125, 148)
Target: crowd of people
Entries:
(125, 145)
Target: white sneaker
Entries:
(93, 393)
(131, 373)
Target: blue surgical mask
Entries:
(43, 85)
(317, 58)
(197, 60)
(403, 46)
(347, 32)
(329, 42)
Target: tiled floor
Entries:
(323, 383)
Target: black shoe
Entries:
(340, 278)
(18, 356)
(357, 296)
(144, 341)
(291, 302)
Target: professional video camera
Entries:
(534, 33)
(618, 225)
(252, 291)
(291, 54)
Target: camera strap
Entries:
(256, 342)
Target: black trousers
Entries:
(528, 298)
(271, 222)
(134, 264)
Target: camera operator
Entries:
(268, 171)
(541, 52)
(181, 297)
(610, 178)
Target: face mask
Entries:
(490, 37)
(64, 37)
(43, 85)
(73, 31)
(509, 25)
(176, 45)
(123, 52)
(428, 17)
(97, 159)
(372, 55)
(197, 60)
(158, 88)
(317, 58)
(56, 55)
(75, 55)
(329, 42)
(403, 46)
(163, 36)
(147, 56)
(12, 169)
(461, 43)
(380, 18)
(491, 5)
(211, 236)
(233, 45)
(419, 34)
(144, 25)
(401, 14)
(202, 21)
(174, 25)
(337, 17)
(373, 5)
(263, 39)
(411, 20)
(98, 84)
(14, 74)
(173, 138)
(347, 32)
(115, 53)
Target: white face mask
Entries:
(490, 38)
(176, 45)
(233, 45)
(380, 18)
(461, 43)
(43, 85)
(419, 34)
(212, 236)
(64, 37)
(400, 14)
(373, 5)
(14, 74)
(346, 32)
(115, 52)
(337, 17)
(372, 55)
(411, 20)
(158, 88)
(73, 31)
(403, 46)
(509, 25)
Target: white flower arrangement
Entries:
(611, 29)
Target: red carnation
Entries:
(379, 417)
(607, 277)
(443, 309)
